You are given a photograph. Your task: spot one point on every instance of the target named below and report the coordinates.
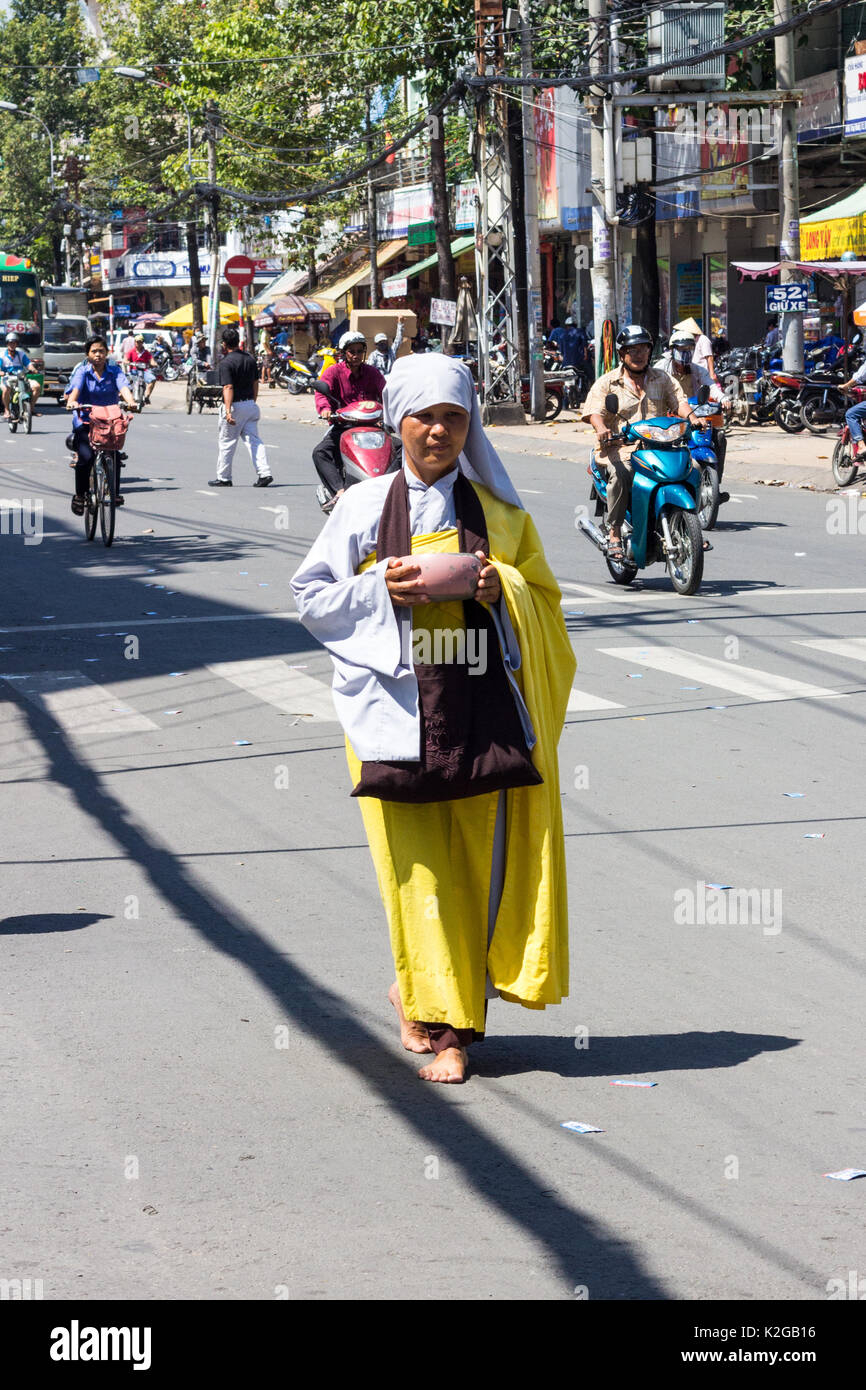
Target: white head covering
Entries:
(418, 382)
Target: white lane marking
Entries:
(580, 700)
(271, 679)
(593, 595)
(586, 593)
(36, 449)
(852, 647)
(121, 626)
(79, 705)
(271, 509)
(204, 492)
(724, 675)
(753, 496)
(532, 491)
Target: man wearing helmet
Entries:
(13, 362)
(383, 355)
(680, 365)
(350, 380)
(642, 392)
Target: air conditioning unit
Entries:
(681, 31)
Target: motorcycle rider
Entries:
(350, 380)
(642, 392)
(13, 362)
(139, 356)
(691, 376)
(855, 416)
(383, 355)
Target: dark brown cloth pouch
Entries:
(472, 739)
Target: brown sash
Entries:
(472, 740)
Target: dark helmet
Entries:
(633, 336)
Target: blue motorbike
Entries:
(702, 447)
(661, 524)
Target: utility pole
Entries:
(789, 190)
(194, 275)
(372, 229)
(499, 374)
(533, 256)
(211, 117)
(603, 179)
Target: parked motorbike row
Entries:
(294, 374)
(763, 391)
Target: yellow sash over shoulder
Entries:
(433, 860)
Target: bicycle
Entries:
(108, 427)
(20, 404)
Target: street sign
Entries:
(443, 311)
(787, 299)
(240, 271)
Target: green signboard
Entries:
(422, 234)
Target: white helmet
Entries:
(349, 338)
(682, 346)
(381, 338)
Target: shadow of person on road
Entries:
(642, 1055)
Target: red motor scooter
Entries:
(367, 450)
(845, 465)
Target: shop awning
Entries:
(837, 228)
(462, 244)
(288, 283)
(752, 269)
(329, 295)
(852, 205)
(294, 308)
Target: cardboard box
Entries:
(373, 321)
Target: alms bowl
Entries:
(446, 576)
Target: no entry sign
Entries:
(239, 271)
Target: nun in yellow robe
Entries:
(474, 888)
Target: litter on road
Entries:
(634, 1083)
(580, 1128)
(847, 1174)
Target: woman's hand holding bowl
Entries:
(489, 585)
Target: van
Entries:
(64, 348)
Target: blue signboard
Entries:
(787, 299)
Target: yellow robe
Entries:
(433, 860)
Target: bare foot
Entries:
(449, 1065)
(413, 1036)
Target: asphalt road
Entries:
(208, 1093)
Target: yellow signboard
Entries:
(825, 241)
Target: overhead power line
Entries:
(723, 50)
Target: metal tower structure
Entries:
(498, 363)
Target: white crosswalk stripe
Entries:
(82, 707)
(273, 680)
(732, 676)
(78, 704)
(581, 700)
(854, 648)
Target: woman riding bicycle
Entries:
(94, 382)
